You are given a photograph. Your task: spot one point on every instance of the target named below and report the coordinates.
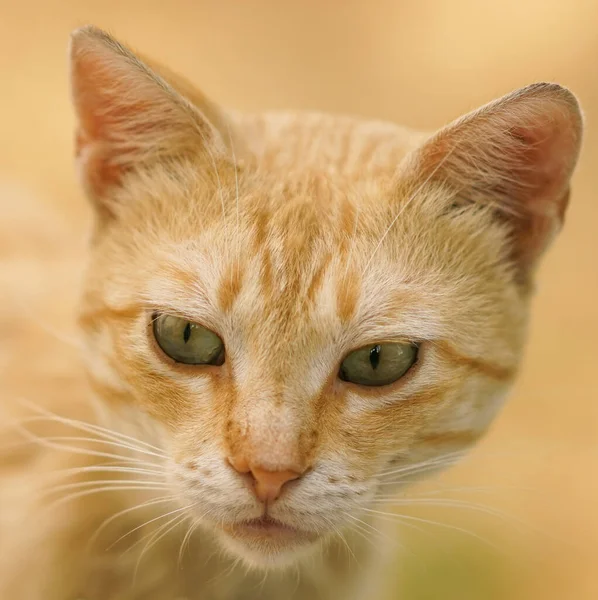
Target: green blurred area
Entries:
(450, 570)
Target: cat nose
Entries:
(267, 485)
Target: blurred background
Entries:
(531, 529)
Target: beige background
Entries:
(420, 62)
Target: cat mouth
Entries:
(267, 528)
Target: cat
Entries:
(284, 317)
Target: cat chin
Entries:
(266, 553)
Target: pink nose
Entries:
(267, 485)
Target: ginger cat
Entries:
(284, 316)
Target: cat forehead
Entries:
(210, 238)
(296, 229)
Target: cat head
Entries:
(299, 335)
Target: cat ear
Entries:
(516, 154)
(128, 115)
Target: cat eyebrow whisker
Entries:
(232, 147)
(352, 242)
(407, 203)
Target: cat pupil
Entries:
(375, 356)
(187, 332)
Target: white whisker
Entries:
(446, 459)
(402, 517)
(113, 518)
(138, 527)
(365, 534)
(404, 207)
(31, 437)
(111, 488)
(66, 438)
(187, 540)
(140, 483)
(339, 533)
(104, 469)
(352, 242)
(371, 528)
(89, 427)
(232, 147)
(165, 530)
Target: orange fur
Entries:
(297, 238)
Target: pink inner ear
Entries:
(106, 104)
(99, 173)
(96, 101)
(537, 185)
(516, 154)
(542, 165)
(124, 115)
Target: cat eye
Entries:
(378, 364)
(187, 342)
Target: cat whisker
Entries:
(346, 544)
(447, 489)
(449, 503)
(111, 488)
(105, 483)
(226, 572)
(90, 427)
(297, 571)
(368, 527)
(477, 489)
(111, 519)
(72, 341)
(187, 540)
(364, 534)
(473, 506)
(352, 242)
(106, 469)
(160, 533)
(232, 147)
(402, 518)
(447, 459)
(61, 439)
(374, 530)
(262, 583)
(219, 182)
(404, 207)
(176, 511)
(33, 438)
(433, 459)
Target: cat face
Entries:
(296, 330)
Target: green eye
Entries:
(379, 364)
(188, 342)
